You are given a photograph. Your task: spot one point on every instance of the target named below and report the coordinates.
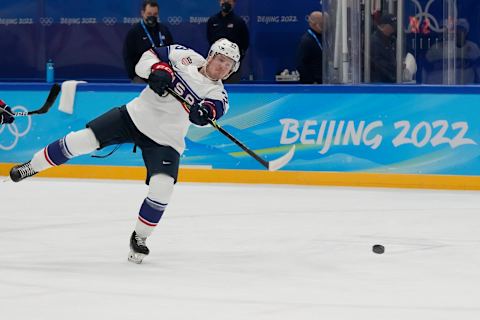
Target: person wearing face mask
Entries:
(148, 33)
(226, 24)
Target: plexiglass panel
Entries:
(402, 41)
(343, 42)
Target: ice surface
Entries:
(238, 252)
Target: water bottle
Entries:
(50, 71)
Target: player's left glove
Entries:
(160, 78)
(5, 117)
(202, 112)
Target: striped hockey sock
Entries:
(58, 152)
(150, 213)
(55, 154)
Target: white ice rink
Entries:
(238, 252)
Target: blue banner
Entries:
(84, 38)
(356, 129)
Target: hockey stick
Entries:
(52, 96)
(270, 165)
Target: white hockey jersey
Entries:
(164, 119)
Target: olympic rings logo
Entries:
(46, 21)
(430, 20)
(13, 131)
(175, 20)
(109, 21)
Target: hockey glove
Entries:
(5, 117)
(201, 113)
(160, 78)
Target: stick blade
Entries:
(276, 164)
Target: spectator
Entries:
(465, 52)
(383, 58)
(309, 55)
(148, 33)
(226, 24)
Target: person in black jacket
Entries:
(309, 54)
(226, 24)
(383, 58)
(148, 33)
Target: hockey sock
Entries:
(161, 187)
(62, 150)
(148, 217)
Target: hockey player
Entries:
(154, 121)
(5, 113)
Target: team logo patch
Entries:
(186, 61)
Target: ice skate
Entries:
(22, 171)
(138, 248)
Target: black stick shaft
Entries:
(223, 131)
(240, 144)
(52, 96)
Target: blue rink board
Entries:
(378, 129)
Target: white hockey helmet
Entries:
(228, 49)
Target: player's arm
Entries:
(5, 113)
(158, 71)
(210, 108)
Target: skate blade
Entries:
(136, 257)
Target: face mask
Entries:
(226, 7)
(151, 21)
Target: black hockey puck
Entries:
(378, 248)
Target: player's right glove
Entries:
(5, 117)
(202, 112)
(160, 78)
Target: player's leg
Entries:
(57, 153)
(162, 170)
(103, 131)
(151, 211)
